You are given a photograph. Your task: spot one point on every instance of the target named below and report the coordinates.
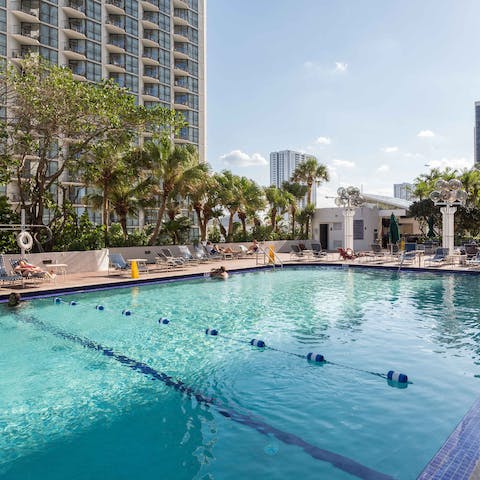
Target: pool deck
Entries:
(457, 459)
(98, 280)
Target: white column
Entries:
(348, 213)
(448, 231)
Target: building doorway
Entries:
(324, 235)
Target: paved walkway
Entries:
(92, 279)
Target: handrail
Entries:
(267, 255)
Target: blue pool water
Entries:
(79, 399)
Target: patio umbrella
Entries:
(431, 231)
(394, 233)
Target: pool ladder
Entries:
(264, 258)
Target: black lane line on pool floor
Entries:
(339, 461)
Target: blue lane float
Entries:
(315, 357)
(99, 307)
(397, 377)
(257, 343)
(127, 313)
(57, 300)
(73, 303)
(163, 321)
(211, 331)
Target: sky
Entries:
(379, 91)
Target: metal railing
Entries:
(266, 256)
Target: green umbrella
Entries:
(431, 231)
(394, 233)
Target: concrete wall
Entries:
(78, 262)
(333, 218)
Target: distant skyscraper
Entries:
(403, 190)
(282, 166)
(477, 134)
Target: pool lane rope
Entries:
(395, 379)
(339, 461)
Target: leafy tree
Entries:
(7, 217)
(177, 228)
(311, 173)
(52, 116)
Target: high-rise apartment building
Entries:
(155, 48)
(403, 190)
(476, 143)
(282, 166)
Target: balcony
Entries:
(150, 74)
(150, 38)
(78, 69)
(26, 33)
(149, 6)
(74, 9)
(150, 92)
(115, 6)
(181, 68)
(181, 33)
(181, 102)
(150, 20)
(180, 4)
(75, 50)
(116, 63)
(26, 10)
(181, 50)
(115, 24)
(24, 52)
(116, 44)
(75, 29)
(181, 16)
(150, 56)
(181, 84)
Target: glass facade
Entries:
(153, 48)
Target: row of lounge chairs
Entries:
(15, 274)
(166, 260)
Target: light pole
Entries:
(448, 195)
(349, 198)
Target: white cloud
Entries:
(341, 67)
(343, 163)
(414, 155)
(323, 141)
(237, 158)
(390, 149)
(383, 169)
(455, 163)
(425, 134)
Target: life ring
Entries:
(25, 240)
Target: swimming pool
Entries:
(89, 393)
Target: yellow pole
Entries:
(135, 273)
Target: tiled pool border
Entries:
(457, 459)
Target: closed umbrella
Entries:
(394, 233)
(431, 231)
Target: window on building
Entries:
(358, 230)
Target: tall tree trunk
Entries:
(230, 226)
(294, 211)
(158, 225)
(123, 223)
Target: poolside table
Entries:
(58, 269)
(141, 262)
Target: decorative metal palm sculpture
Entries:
(349, 198)
(448, 195)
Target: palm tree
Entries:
(202, 195)
(124, 198)
(229, 196)
(172, 166)
(298, 192)
(311, 173)
(251, 200)
(279, 201)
